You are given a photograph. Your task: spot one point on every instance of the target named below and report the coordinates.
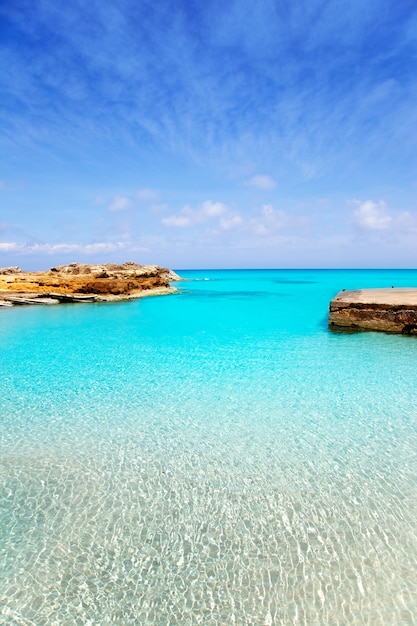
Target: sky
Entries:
(189, 134)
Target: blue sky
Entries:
(209, 134)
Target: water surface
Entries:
(215, 457)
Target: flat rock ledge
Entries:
(389, 310)
(79, 282)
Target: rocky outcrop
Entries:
(10, 270)
(390, 310)
(79, 282)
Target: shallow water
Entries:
(213, 457)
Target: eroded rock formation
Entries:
(390, 310)
(79, 282)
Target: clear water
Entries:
(212, 457)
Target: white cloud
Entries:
(371, 215)
(57, 248)
(8, 246)
(207, 211)
(228, 222)
(269, 220)
(211, 209)
(407, 221)
(262, 181)
(147, 195)
(120, 203)
(180, 221)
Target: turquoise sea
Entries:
(217, 456)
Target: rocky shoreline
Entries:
(389, 310)
(79, 282)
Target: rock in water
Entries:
(390, 310)
(82, 282)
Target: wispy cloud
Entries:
(378, 221)
(208, 211)
(230, 221)
(219, 83)
(407, 221)
(141, 198)
(372, 216)
(59, 248)
(9, 246)
(178, 221)
(147, 195)
(262, 181)
(268, 221)
(120, 203)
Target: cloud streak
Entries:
(208, 211)
(262, 181)
(120, 203)
(60, 248)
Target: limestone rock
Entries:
(82, 282)
(390, 310)
(10, 270)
